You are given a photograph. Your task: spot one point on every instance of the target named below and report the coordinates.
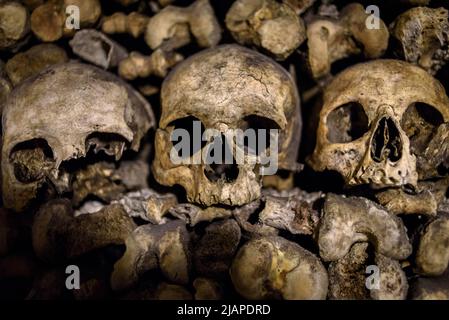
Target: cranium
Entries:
(376, 119)
(53, 118)
(228, 87)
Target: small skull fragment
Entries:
(334, 38)
(170, 28)
(423, 37)
(96, 48)
(268, 24)
(346, 221)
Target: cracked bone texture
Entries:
(270, 25)
(346, 221)
(273, 267)
(243, 83)
(377, 149)
(347, 275)
(423, 36)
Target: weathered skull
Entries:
(228, 87)
(376, 118)
(58, 116)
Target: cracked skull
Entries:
(57, 117)
(225, 89)
(376, 119)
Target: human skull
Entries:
(58, 116)
(228, 87)
(376, 119)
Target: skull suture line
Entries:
(58, 116)
(376, 119)
(228, 87)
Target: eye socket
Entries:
(257, 133)
(31, 159)
(347, 123)
(192, 135)
(420, 122)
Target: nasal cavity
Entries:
(386, 142)
(220, 162)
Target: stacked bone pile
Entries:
(92, 91)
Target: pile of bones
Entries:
(92, 91)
